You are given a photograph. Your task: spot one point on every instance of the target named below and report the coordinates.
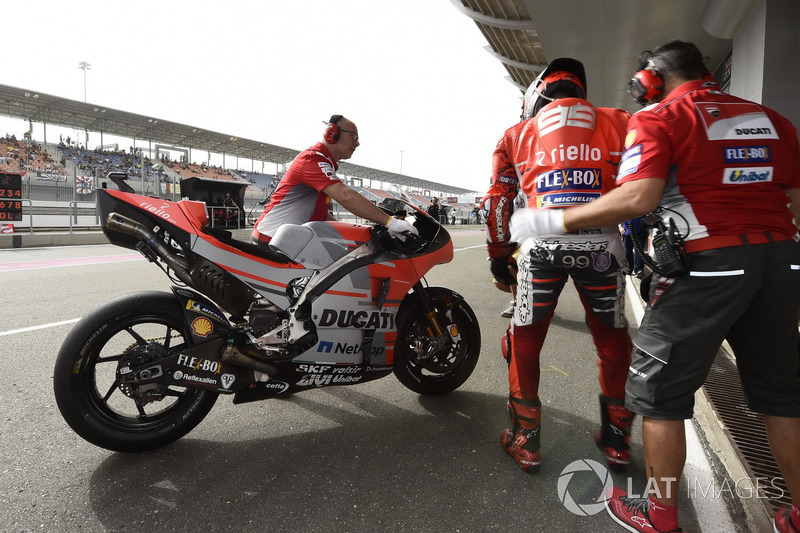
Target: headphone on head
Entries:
(332, 132)
(647, 84)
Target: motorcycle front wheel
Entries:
(436, 365)
(128, 330)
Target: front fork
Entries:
(434, 327)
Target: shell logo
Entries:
(202, 327)
(630, 138)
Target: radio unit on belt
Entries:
(671, 259)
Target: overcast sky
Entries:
(413, 75)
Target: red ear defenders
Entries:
(332, 133)
(646, 85)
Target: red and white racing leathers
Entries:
(566, 155)
(299, 197)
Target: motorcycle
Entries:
(329, 303)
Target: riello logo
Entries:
(357, 319)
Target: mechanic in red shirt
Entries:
(564, 152)
(304, 193)
(724, 169)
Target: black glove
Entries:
(500, 271)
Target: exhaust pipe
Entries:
(233, 355)
(128, 226)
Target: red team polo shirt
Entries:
(727, 163)
(299, 197)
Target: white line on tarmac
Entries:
(72, 321)
(42, 326)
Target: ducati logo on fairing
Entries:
(357, 319)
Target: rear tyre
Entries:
(433, 366)
(131, 329)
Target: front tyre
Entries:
(430, 365)
(128, 330)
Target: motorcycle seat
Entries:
(302, 244)
(248, 248)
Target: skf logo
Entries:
(202, 327)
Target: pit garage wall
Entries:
(765, 56)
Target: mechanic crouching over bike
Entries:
(304, 193)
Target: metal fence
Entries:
(57, 204)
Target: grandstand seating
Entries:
(262, 181)
(58, 162)
(25, 156)
(193, 170)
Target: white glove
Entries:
(397, 227)
(528, 222)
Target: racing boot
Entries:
(521, 442)
(514, 425)
(614, 436)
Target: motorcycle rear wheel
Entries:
(136, 327)
(432, 370)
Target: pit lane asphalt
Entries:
(369, 457)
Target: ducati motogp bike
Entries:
(328, 303)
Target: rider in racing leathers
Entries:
(564, 152)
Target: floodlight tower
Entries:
(84, 66)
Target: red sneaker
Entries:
(632, 513)
(782, 523)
